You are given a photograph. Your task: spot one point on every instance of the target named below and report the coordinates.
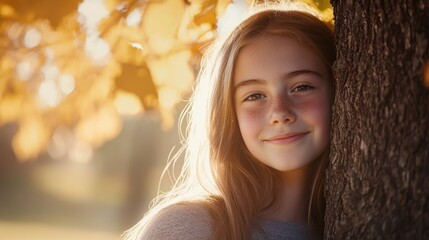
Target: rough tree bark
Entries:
(377, 184)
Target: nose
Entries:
(282, 111)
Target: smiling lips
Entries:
(286, 138)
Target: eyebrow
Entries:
(283, 77)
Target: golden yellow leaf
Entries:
(160, 24)
(173, 77)
(328, 15)
(96, 86)
(137, 79)
(146, 59)
(173, 71)
(207, 15)
(125, 52)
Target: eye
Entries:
(302, 88)
(255, 96)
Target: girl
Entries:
(258, 136)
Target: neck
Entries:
(291, 204)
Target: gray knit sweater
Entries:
(192, 222)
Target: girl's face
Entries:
(282, 97)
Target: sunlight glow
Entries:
(32, 38)
(234, 14)
(90, 13)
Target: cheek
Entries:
(249, 121)
(318, 113)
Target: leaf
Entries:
(328, 15)
(172, 85)
(179, 75)
(137, 79)
(42, 41)
(207, 15)
(42, 9)
(161, 22)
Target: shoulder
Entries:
(181, 221)
(274, 229)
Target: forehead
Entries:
(270, 53)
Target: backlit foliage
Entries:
(70, 69)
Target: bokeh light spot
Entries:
(127, 103)
(67, 83)
(49, 94)
(98, 50)
(24, 70)
(32, 38)
(134, 18)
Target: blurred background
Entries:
(90, 95)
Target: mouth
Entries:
(286, 138)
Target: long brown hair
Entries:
(219, 172)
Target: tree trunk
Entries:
(377, 184)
